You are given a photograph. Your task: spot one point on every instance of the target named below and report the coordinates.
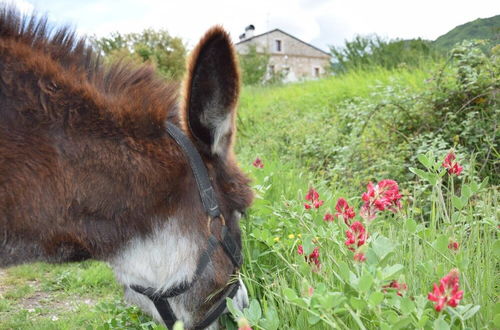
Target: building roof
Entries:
(288, 34)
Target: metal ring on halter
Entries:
(209, 222)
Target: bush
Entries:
(159, 48)
(373, 51)
(254, 66)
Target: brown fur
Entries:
(85, 163)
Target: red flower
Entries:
(453, 246)
(383, 196)
(313, 196)
(258, 163)
(344, 211)
(452, 166)
(359, 257)
(328, 217)
(317, 204)
(447, 292)
(356, 235)
(398, 287)
(313, 257)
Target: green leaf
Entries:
(466, 192)
(391, 316)
(375, 298)
(254, 313)
(441, 243)
(407, 305)
(272, 321)
(365, 282)
(474, 187)
(357, 304)
(424, 160)
(290, 294)
(313, 319)
(382, 247)
(457, 202)
(496, 320)
(307, 245)
(343, 271)
(410, 225)
(236, 313)
(328, 301)
(484, 183)
(441, 324)
(402, 323)
(471, 312)
(496, 248)
(390, 272)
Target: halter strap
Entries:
(205, 188)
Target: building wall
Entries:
(296, 59)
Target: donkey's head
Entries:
(188, 264)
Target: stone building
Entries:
(293, 58)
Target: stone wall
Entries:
(296, 59)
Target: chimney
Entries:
(249, 30)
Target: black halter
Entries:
(209, 200)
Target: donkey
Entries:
(114, 164)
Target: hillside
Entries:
(481, 28)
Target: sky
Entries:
(319, 22)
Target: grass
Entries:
(309, 134)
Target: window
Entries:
(277, 45)
(271, 69)
(316, 72)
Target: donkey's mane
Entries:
(54, 70)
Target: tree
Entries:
(373, 51)
(166, 53)
(254, 66)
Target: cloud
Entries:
(320, 22)
(24, 6)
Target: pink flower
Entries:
(356, 235)
(258, 163)
(453, 246)
(383, 196)
(344, 211)
(313, 196)
(317, 204)
(313, 257)
(452, 166)
(359, 257)
(447, 292)
(328, 217)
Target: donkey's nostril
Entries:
(241, 297)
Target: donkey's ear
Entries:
(211, 93)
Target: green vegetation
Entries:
(481, 28)
(336, 135)
(159, 48)
(253, 66)
(373, 51)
